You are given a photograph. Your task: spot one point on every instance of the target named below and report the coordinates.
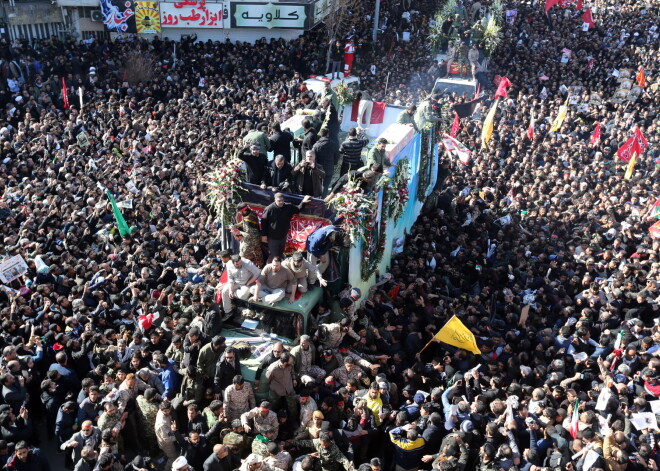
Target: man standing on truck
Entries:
(276, 221)
(272, 357)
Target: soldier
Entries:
(348, 371)
(147, 409)
(261, 441)
(236, 439)
(331, 458)
(262, 418)
(239, 398)
(165, 434)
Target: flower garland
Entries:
(355, 208)
(224, 188)
(344, 94)
(425, 157)
(373, 249)
(397, 190)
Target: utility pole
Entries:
(374, 35)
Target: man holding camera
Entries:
(308, 176)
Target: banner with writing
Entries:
(147, 17)
(118, 16)
(192, 14)
(270, 15)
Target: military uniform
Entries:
(238, 402)
(260, 445)
(146, 412)
(236, 442)
(331, 458)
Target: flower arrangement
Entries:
(344, 94)
(374, 244)
(397, 190)
(356, 208)
(224, 188)
(492, 35)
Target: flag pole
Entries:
(427, 344)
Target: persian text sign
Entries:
(192, 14)
(269, 15)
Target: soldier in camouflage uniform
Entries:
(147, 408)
(213, 414)
(236, 439)
(331, 458)
(261, 441)
(239, 398)
(348, 371)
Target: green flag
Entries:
(121, 222)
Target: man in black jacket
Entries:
(327, 156)
(308, 176)
(280, 142)
(256, 164)
(309, 137)
(275, 223)
(225, 370)
(278, 176)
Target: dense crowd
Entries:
(111, 345)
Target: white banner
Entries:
(192, 14)
(12, 268)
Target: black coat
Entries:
(280, 144)
(327, 152)
(279, 178)
(224, 374)
(256, 166)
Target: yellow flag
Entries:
(559, 120)
(456, 334)
(487, 129)
(631, 167)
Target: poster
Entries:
(147, 17)
(269, 15)
(192, 14)
(11, 268)
(83, 140)
(118, 16)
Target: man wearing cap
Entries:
(281, 381)
(331, 458)
(261, 441)
(88, 435)
(276, 222)
(262, 417)
(304, 272)
(241, 273)
(255, 163)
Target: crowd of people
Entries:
(111, 345)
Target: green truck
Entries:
(261, 325)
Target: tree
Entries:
(340, 18)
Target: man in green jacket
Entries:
(209, 356)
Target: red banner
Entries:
(301, 228)
(635, 145)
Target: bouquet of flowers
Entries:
(344, 94)
(355, 208)
(224, 188)
(397, 190)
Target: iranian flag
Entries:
(530, 129)
(457, 148)
(575, 419)
(655, 210)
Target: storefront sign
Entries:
(192, 14)
(269, 15)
